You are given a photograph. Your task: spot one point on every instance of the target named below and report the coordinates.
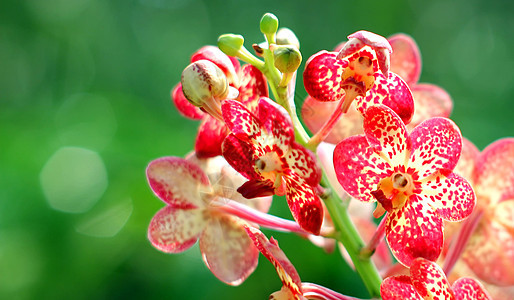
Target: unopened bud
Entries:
(230, 44)
(286, 36)
(204, 84)
(269, 24)
(287, 58)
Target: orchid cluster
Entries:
(383, 151)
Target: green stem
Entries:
(347, 234)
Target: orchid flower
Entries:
(262, 148)
(410, 175)
(427, 281)
(191, 213)
(247, 80)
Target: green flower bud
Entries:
(269, 24)
(286, 36)
(230, 44)
(287, 58)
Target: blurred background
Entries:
(84, 106)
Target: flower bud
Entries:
(287, 58)
(286, 36)
(204, 84)
(269, 24)
(230, 44)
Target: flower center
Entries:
(392, 192)
(358, 75)
(269, 166)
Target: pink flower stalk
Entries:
(262, 148)
(410, 175)
(292, 286)
(359, 71)
(250, 84)
(191, 213)
(428, 282)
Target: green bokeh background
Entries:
(90, 81)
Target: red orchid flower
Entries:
(248, 80)
(428, 282)
(361, 66)
(410, 175)
(429, 100)
(191, 215)
(490, 250)
(262, 148)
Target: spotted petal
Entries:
(285, 269)
(359, 168)
(429, 280)
(173, 230)
(241, 122)
(387, 134)
(469, 289)
(227, 250)
(494, 173)
(451, 196)
(467, 160)
(241, 155)
(436, 146)
(178, 182)
(316, 113)
(183, 105)
(391, 91)
(430, 101)
(209, 139)
(252, 87)
(277, 124)
(405, 59)
(303, 203)
(398, 288)
(489, 253)
(322, 76)
(414, 230)
(303, 163)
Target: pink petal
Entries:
(322, 76)
(241, 155)
(277, 123)
(316, 113)
(219, 58)
(270, 249)
(490, 253)
(387, 134)
(227, 251)
(436, 146)
(391, 91)
(429, 280)
(209, 139)
(177, 182)
(241, 122)
(469, 289)
(467, 160)
(256, 188)
(504, 214)
(173, 230)
(430, 101)
(371, 39)
(304, 204)
(398, 288)
(494, 173)
(183, 106)
(359, 168)
(451, 196)
(252, 87)
(414, 230)
(405, 59)
(303, 163)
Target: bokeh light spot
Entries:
(73, 179)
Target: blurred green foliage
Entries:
(85, 90)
